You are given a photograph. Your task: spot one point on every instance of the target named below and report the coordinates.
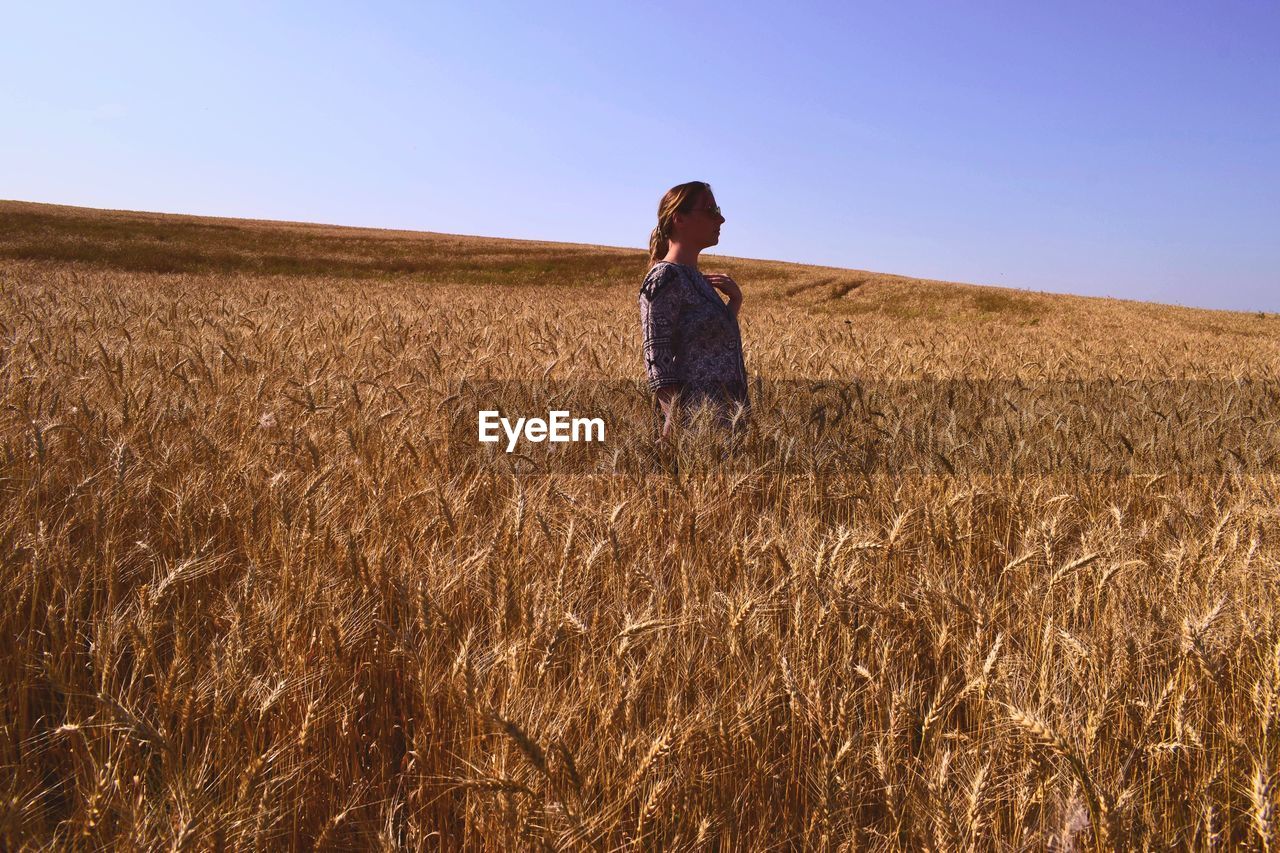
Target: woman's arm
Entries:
(661, 302)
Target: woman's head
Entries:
(687, 213)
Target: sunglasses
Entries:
(715, 209)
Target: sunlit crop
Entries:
(252, 602)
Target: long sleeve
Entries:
(661, 300)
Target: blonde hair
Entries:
(678, 199)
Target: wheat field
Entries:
(253, 602)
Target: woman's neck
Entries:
(686, 255)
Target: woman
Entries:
(692, 343)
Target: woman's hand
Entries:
(728, 287)
(666, 398)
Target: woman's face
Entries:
(700, 226)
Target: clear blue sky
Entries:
(1129, 149)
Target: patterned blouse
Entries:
(691, 338)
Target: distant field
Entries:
(253, 599)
